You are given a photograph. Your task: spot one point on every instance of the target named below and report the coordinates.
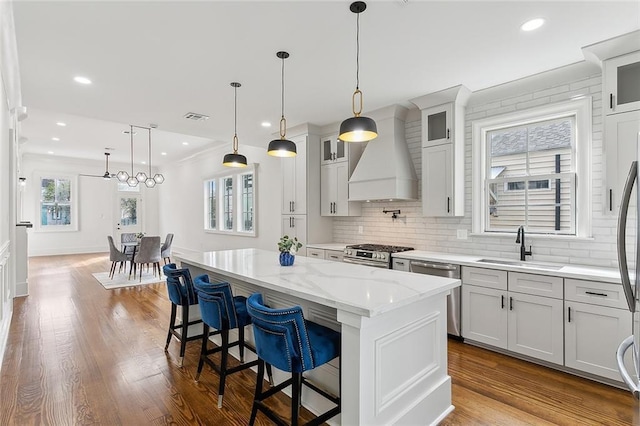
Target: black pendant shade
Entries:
(282, 147)
(234, 159)
(357, 128)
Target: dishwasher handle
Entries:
(441, 266)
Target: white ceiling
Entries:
(154, 61)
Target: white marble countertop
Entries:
(582, 272)
(358, 289)
(328, 246)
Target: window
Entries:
(232, 196)
(57, 204)
(527, 167)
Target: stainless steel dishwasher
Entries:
(453, 299)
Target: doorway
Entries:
(129, 211)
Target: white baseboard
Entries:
(67, 250)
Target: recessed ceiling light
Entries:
(55, 139)
(49, 152)
(265, 124)
(81, 80)
(532, 24)
(185, 143)
(61, 124)
(163, 153)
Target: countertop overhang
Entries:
(361, 290)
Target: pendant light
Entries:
(357, 128)
(282, 147)
(122, 175)
(107, 175)
(235, 159)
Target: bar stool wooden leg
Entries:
(254, 408)
(172, 323)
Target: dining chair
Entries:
(165, 250)
(148, 252)
(128, 237)
(116, 256)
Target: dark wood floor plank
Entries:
(79, 354)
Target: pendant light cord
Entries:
(131, 135)
(282, 86)
(149, 152)
(235, 119)
(357, 50)
(283, 121)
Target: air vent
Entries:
(195, 116)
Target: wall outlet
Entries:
(462, 234)
(360, 229)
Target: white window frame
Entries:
(507, 182)
(236, 175)
(581, 110)
(75, 220)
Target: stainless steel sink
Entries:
(522, 264)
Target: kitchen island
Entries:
(393, 325)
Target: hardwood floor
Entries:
(79, 354)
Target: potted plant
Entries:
(288, 248)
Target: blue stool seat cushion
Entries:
(218, 307)
(287, 341)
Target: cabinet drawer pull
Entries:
(511, 303)
(610, 199)
(333, 256)
(448, 204)
(399, 263)
(502, 300)
(569, 314)
(314, 254)
(593, 293)
(610, 100)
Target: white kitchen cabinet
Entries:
(333, 150)
(437, 181)
(523, 323)
(443, 151)
(300, 189)
(535, 327)
(485, 315)
(620, 149)
(621, 87)
(401, 265)
(295, 226)
(592, 335)
(294, 179)
(314, 252)
(334, 191)
(332, 255)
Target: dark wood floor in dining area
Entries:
(79, 354)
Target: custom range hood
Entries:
(385, 170)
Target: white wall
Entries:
(182, 201)
(439, 234)
(96, 209)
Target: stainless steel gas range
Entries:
(376, 255)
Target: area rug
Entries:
(122, 280)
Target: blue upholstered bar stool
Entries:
(181, 293)
(290, 343)
(222, 311)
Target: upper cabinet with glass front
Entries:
(436, 125)
(622, 83)
(333, 150)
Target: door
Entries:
(328, 185)
(436, 125)
(620, 142)
(437, 184)
(536, 327)
(592, 335)
(128, 214)
(295, 226)
(484, 315)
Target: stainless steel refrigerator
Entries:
(630, 282)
